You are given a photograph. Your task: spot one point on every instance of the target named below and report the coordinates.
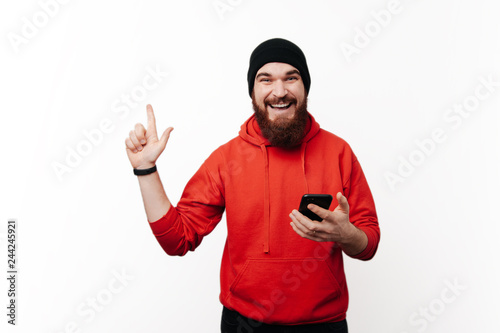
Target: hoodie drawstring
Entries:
(267, 199)
(303, 159)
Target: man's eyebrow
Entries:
(293, 71)
(263, 74)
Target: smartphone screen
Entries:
(322, 200)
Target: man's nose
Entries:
(279, 89)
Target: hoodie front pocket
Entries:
(285, 290)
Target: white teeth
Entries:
(280, 105)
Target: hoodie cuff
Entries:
(165, 223)
(371, 246)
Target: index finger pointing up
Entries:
(151, 121)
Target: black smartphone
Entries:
(322, 200)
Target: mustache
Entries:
(284, 100)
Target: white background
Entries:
(77, 231)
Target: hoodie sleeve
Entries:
(197, 213)
(362, 211)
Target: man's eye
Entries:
(292, 78)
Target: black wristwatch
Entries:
(143, 172)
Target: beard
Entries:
(282, 132)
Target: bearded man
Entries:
(280, 271)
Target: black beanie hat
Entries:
(278, 50)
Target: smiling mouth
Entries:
(281, 106)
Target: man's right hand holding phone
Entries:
(335, 227)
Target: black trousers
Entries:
(233, 322)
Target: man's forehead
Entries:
(278, 68)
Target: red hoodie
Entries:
(268, 272)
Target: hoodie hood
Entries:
(250, 132)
